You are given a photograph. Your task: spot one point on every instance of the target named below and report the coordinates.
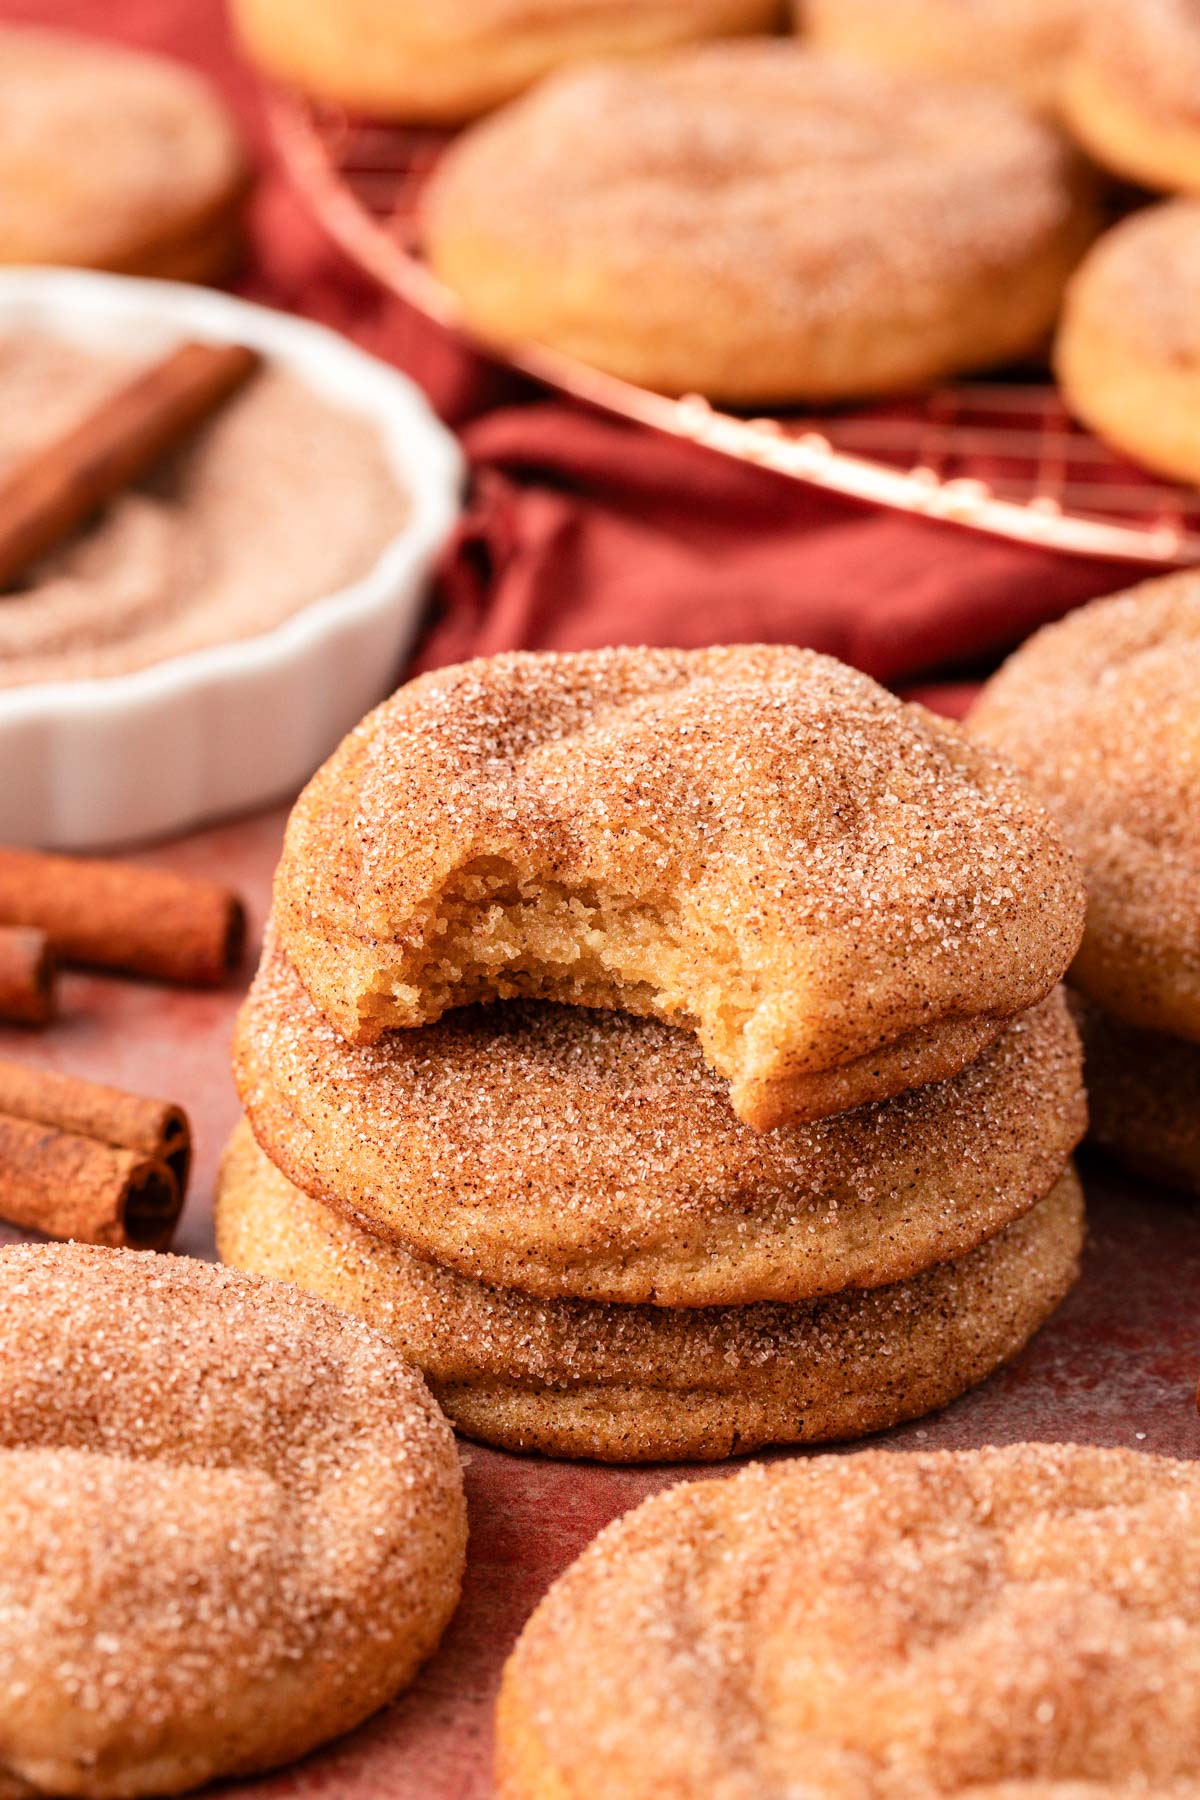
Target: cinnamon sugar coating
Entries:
(842, 894)
(566, 1152)
(886, 1626)
(642, 1383)
(450, 61)
(761, 224)
(1132, 92)
(1100, 713)
(1143, 1097)
(232, 1520)
(113, 159)
(1127, 353)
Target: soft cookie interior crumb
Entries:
(497, 932)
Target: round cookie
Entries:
(539, 1147)
(761, 225)
(113, 159)
(842, 894)
(1127, 352)
(1099, 712)
(443, 61)
(874, 1627)
(232, 1519)
(1022, 45)
(1131, 93)
(648, 1384)
(1143, 1097)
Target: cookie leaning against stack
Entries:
(555, 1209)
(1100, 712)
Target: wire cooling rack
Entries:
(997, 456)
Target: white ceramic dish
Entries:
(93, 764)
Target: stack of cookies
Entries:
(662, 1048)
(1100, 712)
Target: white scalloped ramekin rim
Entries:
(87, 765)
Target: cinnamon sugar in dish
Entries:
(280, 500)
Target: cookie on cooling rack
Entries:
(232, 1518)
(1130, 92)
(443, 61)
(1022, 45)
(1128, 347)
(844, 896)
(1100, 714)
(761, 225)
(872, 1626)
(113, 159)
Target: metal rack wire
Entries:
(995, 456)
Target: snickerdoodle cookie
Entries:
(1020, 44)
(885, 1626)
(588, 1154)
(1131, 92)
(113, 159)
(441, 61)
(232, 1520)
(1143, 1097)
(761, 224)
(648, 1383)
(1127, 352)
(1100, 713)
(844, 895)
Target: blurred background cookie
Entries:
(113, 159)
(1143, 1096)
(1020, 44)
(1127, 352)
(447, 60)
(846, 231)
(1099, 713)
(1132, 91)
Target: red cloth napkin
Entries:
(587, 531)
(582, 530)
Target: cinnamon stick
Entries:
(116, 915)
(153, 1128)
(28, 971)
(82, 1160)
(54, 489)
(74, 1187)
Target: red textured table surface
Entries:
(1117, 1366)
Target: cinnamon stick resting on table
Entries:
(28, 971)
(82, 1160)
(116, 915)
(154, 1128)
